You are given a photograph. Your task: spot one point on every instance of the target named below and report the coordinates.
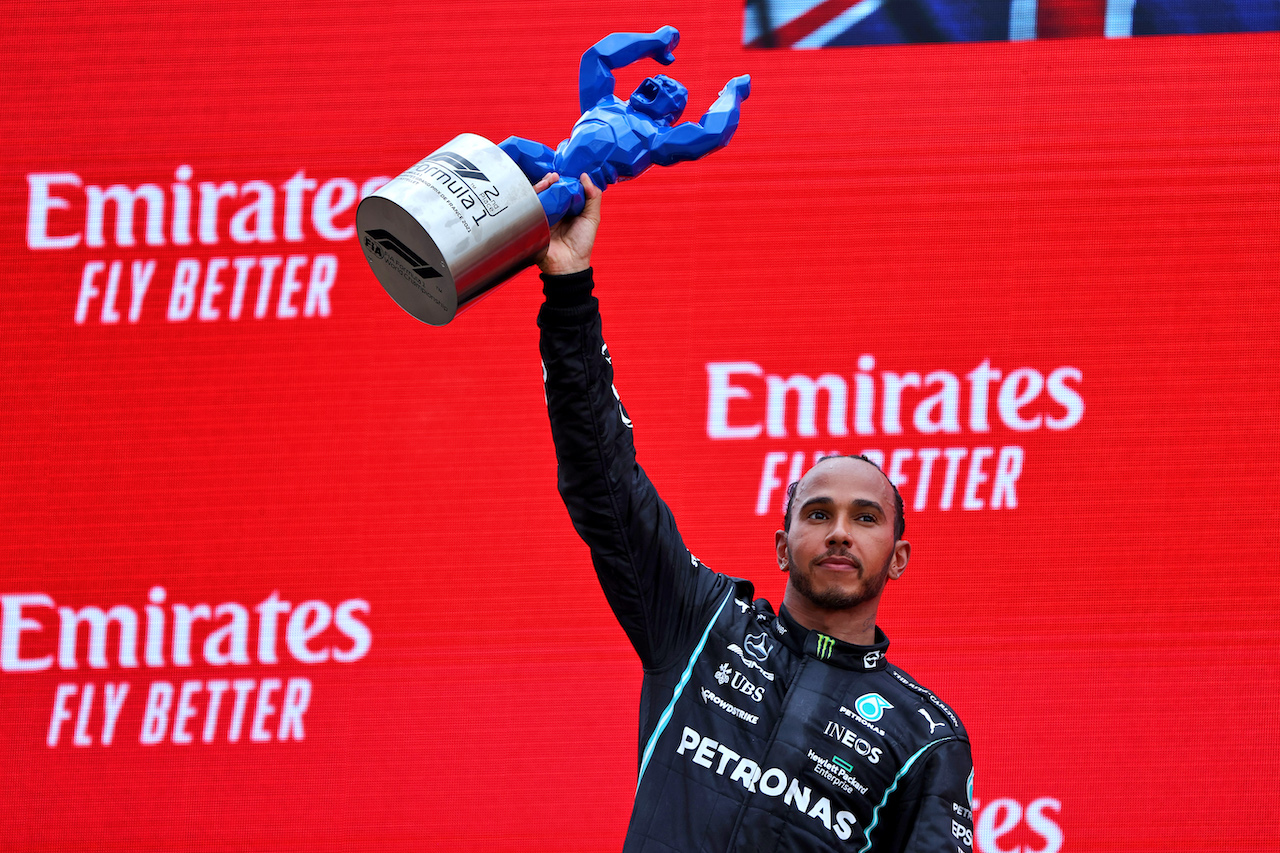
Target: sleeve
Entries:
(934, 812)
(661, 594)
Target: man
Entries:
(758, 731)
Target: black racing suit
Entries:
(756, 734)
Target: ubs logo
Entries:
(741, 683)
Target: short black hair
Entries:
(899, 520)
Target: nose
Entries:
(839, 533)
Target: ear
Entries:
(780, 545)
(901, 554)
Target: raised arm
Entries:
(618, 50)
(661, 595)
(693, 140)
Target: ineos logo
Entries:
(850, 738)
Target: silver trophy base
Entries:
(451, 228)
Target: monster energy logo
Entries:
(842, 764)
(826, 645)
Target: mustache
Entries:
(842, 552)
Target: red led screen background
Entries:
(1038, 279)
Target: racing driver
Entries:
(758, 731)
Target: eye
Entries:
(818, 515)
(868, 517)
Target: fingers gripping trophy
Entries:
(467, 218)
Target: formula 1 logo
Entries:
(461, 166)
(871, 706)
(379, 240)
(457, 175)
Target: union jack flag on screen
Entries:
(809, 24)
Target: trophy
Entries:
(464, 220)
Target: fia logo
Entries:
(871, 706)
(378, 239)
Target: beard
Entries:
(835, 598)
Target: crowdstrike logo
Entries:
(871, 706)
(710, 698)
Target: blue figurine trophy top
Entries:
(457, 224)
(617, 140)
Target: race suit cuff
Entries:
(568, 298)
